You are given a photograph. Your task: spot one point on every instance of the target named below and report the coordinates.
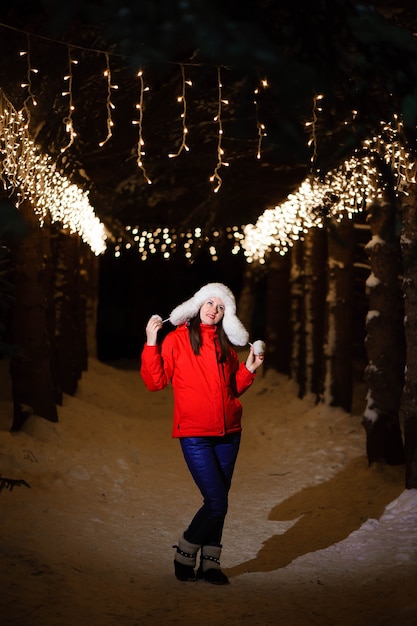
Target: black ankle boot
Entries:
(209, 569)
(183, 572)
(184, 561)
(213, 576)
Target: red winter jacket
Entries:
(205, 391)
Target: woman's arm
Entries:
(245, 372)
(152, 327)
(152, 365)
(254, 360)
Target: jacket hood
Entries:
(233, 327)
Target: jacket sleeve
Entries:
(243, 378)
(152, 368)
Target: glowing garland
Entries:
(168, 241)
(394, 154)
(109, 105)
(32, 176)
(68, 121)
(345, 190)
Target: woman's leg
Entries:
(211, 461)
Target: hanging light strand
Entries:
(28, 84)
(313, 127)
(259, 125)
(109, 103)
(69, 126)
(220, 152)
(182, 99)
(139, 122)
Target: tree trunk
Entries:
(385, 340)
(408, 411)
(90, 267)
(315, 257)
(278, 332)
(338, 342)
(297, 310)
(33, 384)
(249, 295)
(70, 307)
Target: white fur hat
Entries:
(233, 327)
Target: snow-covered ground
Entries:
(313, 535)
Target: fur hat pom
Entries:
(233, 327)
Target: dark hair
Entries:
(196, 339)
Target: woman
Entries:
(198, 359)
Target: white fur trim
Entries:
(233, 327)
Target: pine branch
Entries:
(9, 483)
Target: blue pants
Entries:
(211, 461)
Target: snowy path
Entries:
(313, 536)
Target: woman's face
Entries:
(212, 311)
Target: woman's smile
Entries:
(212, 311)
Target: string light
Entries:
(388, 145)
(260, 126)
(168, 241)
(313, 124)
(69, 127)
(139, 122)
(32, 176)
(345, 190)
(220, 152)
(182, 99)
(28, 84)
(109, 103)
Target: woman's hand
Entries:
(254, 360)
(152, 328)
